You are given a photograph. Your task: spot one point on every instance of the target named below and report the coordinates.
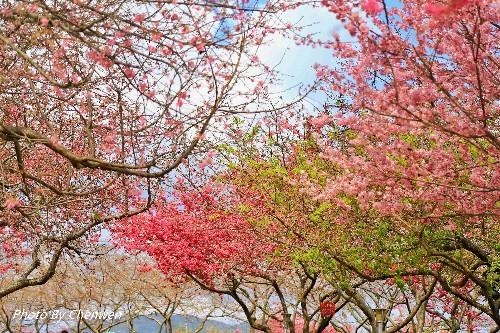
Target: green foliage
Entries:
(316, 260)
(316, 216)
(400, 282)
(250, 136)
(493, 275)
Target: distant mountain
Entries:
(181, 324)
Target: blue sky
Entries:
(297, 61)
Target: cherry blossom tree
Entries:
(101, 101)
(282, 231)
(388, 197)
(207, 235)
(196, 240)
(396, 180)
(418, 100)
(423, 111)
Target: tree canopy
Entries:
(155, 122)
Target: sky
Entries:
(296, 62)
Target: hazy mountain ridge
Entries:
(181, 324)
